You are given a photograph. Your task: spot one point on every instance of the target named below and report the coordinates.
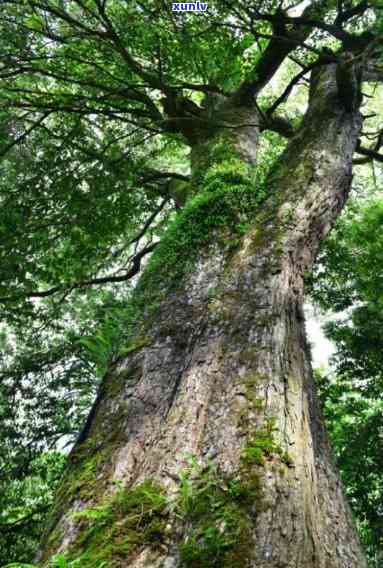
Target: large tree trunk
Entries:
(212, 420)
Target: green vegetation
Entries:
(24, 504)
(123, 131)
(349, 276)
(229, 199)
(214, 510)
(261, 444)
(217, 515)
(112, 532)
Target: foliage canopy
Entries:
(101, 103)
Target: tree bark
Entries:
(219, 395)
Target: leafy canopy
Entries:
(101, 104)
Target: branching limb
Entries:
(153, 80)
(24, 135)
(287, 36)
(151, 175)
(109, 279)
(371, 154)
(373, 73)
(121, 275)
(286, 93)
(102, 31)
(25, 520)
(278, 124)
(346, 15)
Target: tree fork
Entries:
(211, 423)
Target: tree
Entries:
(348, 275)
(205, 446)
(24, 504)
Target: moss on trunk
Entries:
(224, 376)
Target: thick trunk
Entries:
(215, 404)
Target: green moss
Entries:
(111, 533)
(253, 379)
(261, 445)
(228, 197)
(248, 356)
(79, 482)
(287, 459)
(216, 513)
(213, 294)
(250, 383)
(85, 477)
(218, 206)
(54, 537)
(213, 512)
(245, 411)
(213, 542)
(135, 345)
(80, 477)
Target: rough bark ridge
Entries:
(223, 374)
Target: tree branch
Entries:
(110, 279)
(281, 44)
(136, 67)
(126, 93)
(369, 153)
(286, 93)
(278, 124)
(373, 73)
(26, 520)
(24, 135)
(358, 10)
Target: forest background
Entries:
(75, 232)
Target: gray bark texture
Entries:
(225, 377)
